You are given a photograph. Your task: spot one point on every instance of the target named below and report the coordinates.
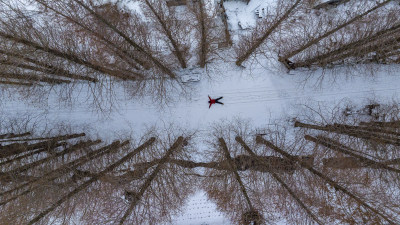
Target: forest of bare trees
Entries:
(69, 42)
(333, 170)
(66, 43)
(337, 167)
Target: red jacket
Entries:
(212, 101)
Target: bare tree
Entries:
(203, 22)
(322, 32)
(256, 39)
(170, 26)
(329, 181)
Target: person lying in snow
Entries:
(213, 101)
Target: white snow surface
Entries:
(259, 93)
(199, 211)
(238, 11)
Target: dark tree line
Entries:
(368, 35)
(66, 43)
(320, 174)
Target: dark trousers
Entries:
(216, 100)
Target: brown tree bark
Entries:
(324, 58)
(17, 148)
(336, 146)
(64, 55)
(235, 172)
(92, 180)
(228, 39)
(391, 124)
(168, 33)
(31, 77)
(7, 150)
(156, 62)
(316, 40)
(16, 83)
(203, 35)
(118, 49)
(272, 163)
(367, 129)
(364, 134)
(44, 160)
(384, 46)
(23, 156)
(55, 138)
(71, 165)
(46, 68)
(176, 146)
(52, 175)
(12, 135)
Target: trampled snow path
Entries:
(259, 94)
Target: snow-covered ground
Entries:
(198, 210)
(256, 93)
(259, 94)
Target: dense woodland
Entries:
(105, 45)
(337, 169)
(341, 168)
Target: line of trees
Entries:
(366, 33)
(53, 178)
(70, 42)
(67, 43)
(315, 172)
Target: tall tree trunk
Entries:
(316, 40)
(336, 146)
(257, 44)
(362, 50)
(281, 182)
(50, 176)
(33, 78)
(371, 136)
(12, 135)
(64, 55)
(235, 172)
(50, 68)
(391, 124)
(347, 47)
(17, 148)
(41, 161)
(367, 129)
(176, 146)
(334, 184)
(16, 83)
(56, 138)
(23, 156)
(158, 64)
(168, 33)
(203, 35)
(92, 180)
(46, 71)
(142, 63)
(224, 16)
(71, 165)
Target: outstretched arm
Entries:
(209, 98)
(210, 105)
